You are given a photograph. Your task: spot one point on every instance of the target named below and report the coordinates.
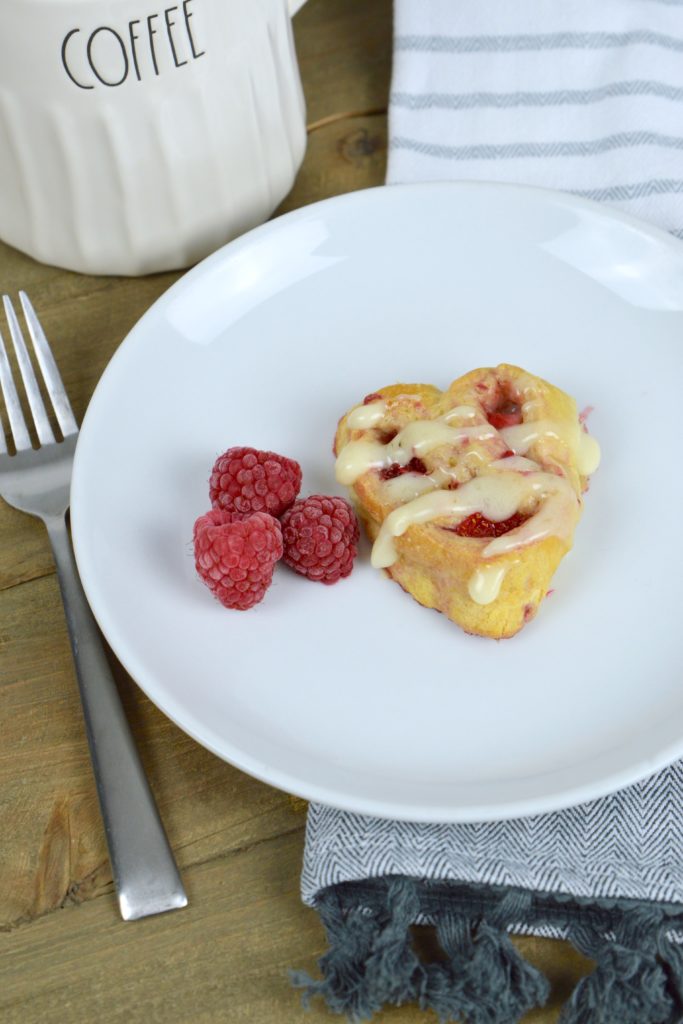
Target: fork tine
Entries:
(17, 422)
(35, 400)
(48, 367)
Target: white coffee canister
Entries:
(140, 135)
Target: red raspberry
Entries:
(477, 525)
(235, 555)
(320, 535)
(216, 517)
(248, 480)
(507, 414)
(414, 466)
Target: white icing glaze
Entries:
(415, 440)
(408, 486)
(485, 583)
(460, 412)
(589, 454)
(503, 486)
(422, 436)
(520, 438)
(515, 464)
(447, 476)
(357, 457)
(497, 497)
(366, 416)
(583, 447)
(556, 515)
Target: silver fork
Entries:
(38, 482)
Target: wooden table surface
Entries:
(65, 953)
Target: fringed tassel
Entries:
(671, 956)
(486, 981)
(631, 983)
(371, 962)
(483, 979)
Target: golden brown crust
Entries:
(435, 565)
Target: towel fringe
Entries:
(483, 978)
(370, 962)
(631, 983)
(486, 980)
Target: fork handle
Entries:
(145, 873)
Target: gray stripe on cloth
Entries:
(559, 97)
(513, 150)
(537, 41)
(615, 193)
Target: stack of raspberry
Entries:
(255, 520)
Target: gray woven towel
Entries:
(625, 846)
(585, 96)
(608, 875)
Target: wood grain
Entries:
(225, 957)
(64, 952)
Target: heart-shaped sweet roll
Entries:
(470, 495)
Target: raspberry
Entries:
(414, 466)
(320, 535)
(478, 525)
(507, 414)
(248, 480)
(216, 517)
(235, 555)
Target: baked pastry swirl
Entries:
(470, 495)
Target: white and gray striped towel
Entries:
(580, 95)
(585, 96)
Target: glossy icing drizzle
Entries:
(502, 487)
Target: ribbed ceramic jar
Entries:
(140, 135)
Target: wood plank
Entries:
(344, 51)
(343, 156)
(225, 957)
(53, 843)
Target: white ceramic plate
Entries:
(354, 695)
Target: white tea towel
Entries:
(580, 95)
